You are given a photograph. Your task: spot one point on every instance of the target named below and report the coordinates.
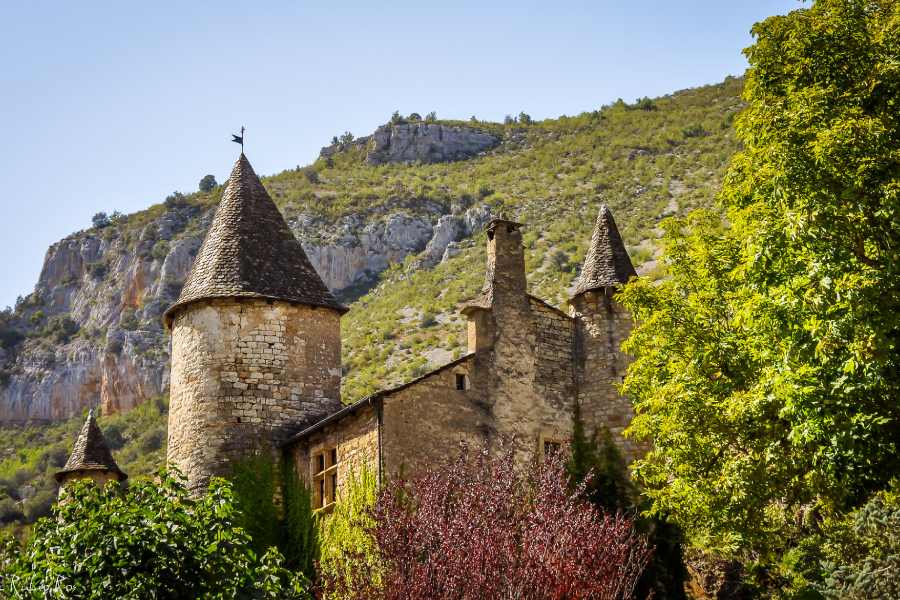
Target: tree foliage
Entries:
(766, 371)
(151, 541)
(208, 183)
(481, 528)
(863, 559)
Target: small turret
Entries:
(606, 264)
(601, 325)
(90, 458)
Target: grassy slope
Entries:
(550, 175)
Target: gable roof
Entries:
(607, 263)
(90, 452)
(250, 252)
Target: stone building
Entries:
(90, 458)
(256, 359)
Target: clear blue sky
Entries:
(111, 106)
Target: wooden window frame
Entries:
(325, 478)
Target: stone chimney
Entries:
(504, 298)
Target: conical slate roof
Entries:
(90, 452)
(249, 252)
(607, 263)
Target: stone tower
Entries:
(602, 324)
(256, 347)
(90, 458)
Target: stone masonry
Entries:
(244, 374)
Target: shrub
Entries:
(431, 117)
(560, 261)
(128, 320)
(175, 200)
(865, 558)
(414, 117)
(311, 175)
(481, 528)
(9, 336)
(208, 183)
(100, 220)
(98, 270)
(346, 138)
(60, 329)
(152, 540)
(10, 511)
(694, 131)
(525, 118)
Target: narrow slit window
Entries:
(460, 381)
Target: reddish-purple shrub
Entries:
(479, 528)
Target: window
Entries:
(325, 478)
(551, 447)
(460, 381)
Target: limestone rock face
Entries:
(427, 143)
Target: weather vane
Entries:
(239, 139)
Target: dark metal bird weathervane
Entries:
(239, 139)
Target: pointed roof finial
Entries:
(90, 452)
(250, 252)
(607, 263)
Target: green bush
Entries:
(152, 540)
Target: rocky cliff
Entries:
(419, 142)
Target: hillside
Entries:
(401, 242)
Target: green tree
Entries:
(766, 371)
(208, 183)
(100, 220)
(152, 541)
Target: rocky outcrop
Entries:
(427, 143)
(115, 283)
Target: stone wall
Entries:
(245, 375)
(602, 325)
(425, 423)
(554, 380)
(356, 438)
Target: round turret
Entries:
(256, 349)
